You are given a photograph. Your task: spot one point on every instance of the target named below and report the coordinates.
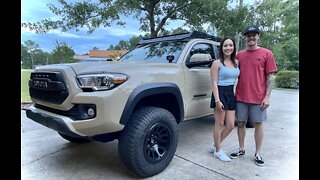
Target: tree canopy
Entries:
(277, 19)
(62, 53)
(32, 54)
(132, 42)
(153, 15)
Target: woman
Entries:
(224, 74)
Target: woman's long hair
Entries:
(233, 54)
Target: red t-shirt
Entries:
(254, 66)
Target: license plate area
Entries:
(42, 84)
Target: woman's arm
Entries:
(214, 78)
(235, 86)
(236, 82)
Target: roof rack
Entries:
(182, 36)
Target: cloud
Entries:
(123, 32)
(26, 31)
(63, 34)
(35, 10)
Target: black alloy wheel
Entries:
(157, 142)
(148, 141)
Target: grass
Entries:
(25, 75)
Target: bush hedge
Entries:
(287, 79)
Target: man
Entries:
(257, 66)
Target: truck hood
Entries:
(121, 67)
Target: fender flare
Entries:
(147, 90)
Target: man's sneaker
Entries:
(221, 155)
(212, 148)
(258, 159)
(237, 153)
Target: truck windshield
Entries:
(155, 52)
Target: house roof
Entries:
(114, 54)
(80, 56)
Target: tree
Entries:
(289, 33)
(132, 42)
(279, 24)
(127, 45)
(111, 47)
(123, 45)
(62, 53)
(41, 57)
(32, 47)
(178, 31)
(25, 58)
(153, 15)
(279, 21)
(231, 22)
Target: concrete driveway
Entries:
(45, 155)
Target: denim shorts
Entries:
(226, 96)
(252, 112)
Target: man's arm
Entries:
(270, 81)
(266, 101)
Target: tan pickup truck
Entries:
(139, 100)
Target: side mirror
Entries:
(170, 58)
(199, 59)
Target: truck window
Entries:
(202, 48)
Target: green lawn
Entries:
(25, 75)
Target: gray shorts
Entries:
(252, 112)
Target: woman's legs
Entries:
(220, 132)
(219, 117)
(230, 118)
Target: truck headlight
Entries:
(98, 82)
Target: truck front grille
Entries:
(48, 86)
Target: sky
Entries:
(81, 42)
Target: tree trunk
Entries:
(239, 33)
(238, 40)
(150, 8)
(32, 63)
(153, 34)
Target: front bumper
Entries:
(109, 107)
(51, 122)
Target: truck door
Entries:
(198, 83)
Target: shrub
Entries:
(287, 79)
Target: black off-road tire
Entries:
(73, 139)
(148, 128)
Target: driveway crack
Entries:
(197, 164)
(49, 154)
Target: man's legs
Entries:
(258, 136)
(241, 130)
(258, 116)
(241, 133)
(242, 116)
